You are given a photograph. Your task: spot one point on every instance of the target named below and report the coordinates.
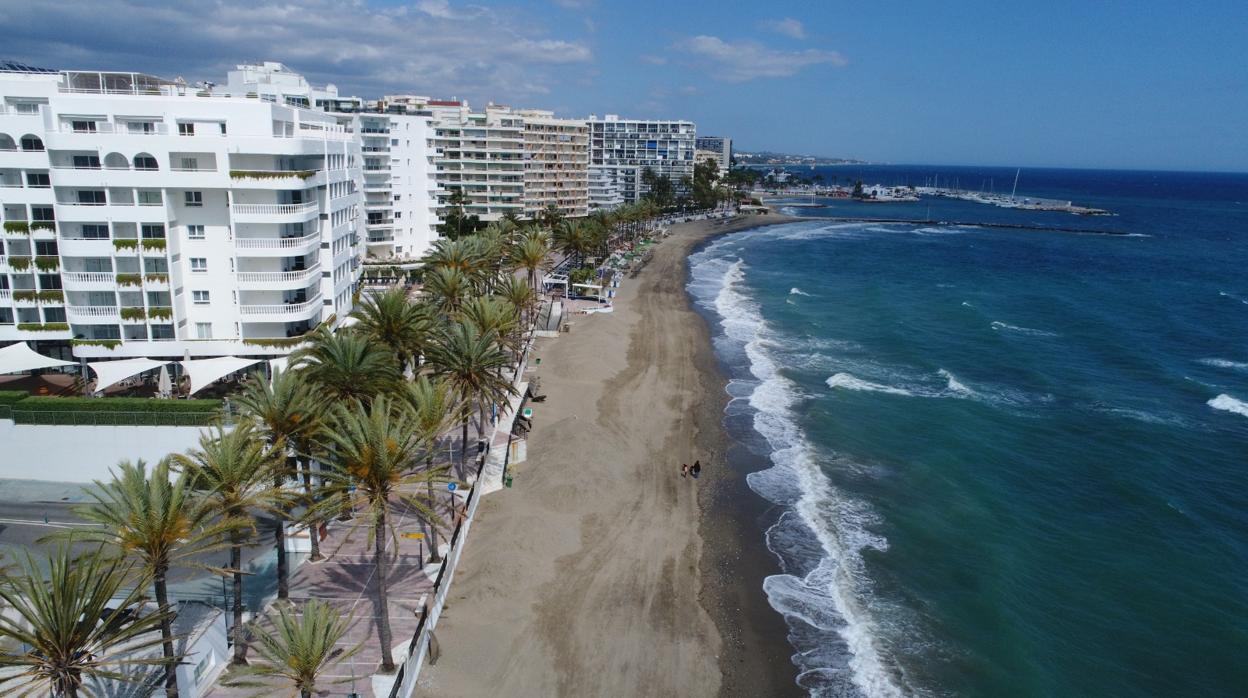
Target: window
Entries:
(200, 297)
(186, 129)
(194, 198)
(222, 125)
(141, 127)
(84, 126)
(86, 162)
(153, 231)
(398, 214)
(91, 197)
(42, 213)
(143, 161)
(195, 232)
(190, 163)
(38, 180)
(150, 198)
(199, 264)
(94, 231)
(26, 108)
(203, 330)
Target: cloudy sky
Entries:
(1147, 84)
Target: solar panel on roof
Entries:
(15, 67)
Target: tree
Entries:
(346, 365)
(391, 320)
(705, 175)
(471, 362)
(159, 521)
(74, 619)
(531, 253)
(858, 193)
(573, 238)
(373, 447)
(435, 409)
(286, 410)
(301, 647)
(550, 216)
(659, 188)
(233, 469)
(456, 221)
(520, 295)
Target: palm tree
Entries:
(158, 520)
(435, 408)
(286, 411)
(392, 321)
(301, 647)
(372, 448)
(234, 469)
(488, 313)
(573, 239)
(347, 366)
(74, 620)
(531, 253)
(446, 289)
(521, 297)
(472, 362)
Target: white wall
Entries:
(81, 453)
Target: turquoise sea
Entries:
(1003, 463)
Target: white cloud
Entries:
(434, 47)
(787, 27)
(653, 59)
(747, 60)
(573, 4)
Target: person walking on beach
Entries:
(684, 469)
(696, 469)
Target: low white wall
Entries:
(84, 453)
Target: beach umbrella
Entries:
(164, 387)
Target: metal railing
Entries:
(124, 419)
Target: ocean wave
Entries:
(952, 388)
(833, 594)
(1229, 404)
(1233, 297)
(850, 382)
(795, 291)
(966, 304)
(996, 325)
(1224, 363)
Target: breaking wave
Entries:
(1224, 363)
(1021, 330)
(1229, 404)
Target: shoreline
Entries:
(602, 571)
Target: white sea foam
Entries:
(954, 386)
(850, 382)
(967, 304)
(1021, 330)
(1225, 363)
(1229, 404)
(795, 291)
(834, 595)
(1233, 297)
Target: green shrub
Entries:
(158, 278)
(17, 227)
(25, 295)
(51, 296)
(261, 174)
(129, 280)
(125, 244)
(19, 263)
(133, 314)
(43, 225)
(8, 397)
(160, 313)
(48, 263)
(106, 343)
(44, 327)
(276, 342)
(115, 411)
(154, 244)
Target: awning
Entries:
(112, 372)
(19, 357)
(204, 372)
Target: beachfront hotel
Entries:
(629, 146)
(148, 218)
(715, 148)
(556, 164)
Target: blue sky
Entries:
(1085, 84)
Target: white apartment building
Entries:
(481, 154)
(629, 146)
(606, 191)
(556, 164)
(144, 218)
(717, 148)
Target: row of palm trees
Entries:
(350, 430)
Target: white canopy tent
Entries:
(19, 357)
(109, 373)
(204, 372)
(591, 287)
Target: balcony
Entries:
(278, 247)
(277, 179)
(286, 312)
(89, 280)
(275, 213)
(278, 280)
(94, 314)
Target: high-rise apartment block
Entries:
(631, 146)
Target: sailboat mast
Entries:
(1015, 190)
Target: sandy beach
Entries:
(603, 572)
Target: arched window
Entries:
(116, 161)
(6, 142)
(30, 142)
(144, 161)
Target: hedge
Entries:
(125, 244)
(261, 174)
(8, 397)
(45, 327)
(106, 343)
(115, 411)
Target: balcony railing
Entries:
(284, 309)
(275, 209)
(275, 243)
(265, 277)
(94, 310)
(89, 276)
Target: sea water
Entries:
(1005, 462)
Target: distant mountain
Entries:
(768, 158)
